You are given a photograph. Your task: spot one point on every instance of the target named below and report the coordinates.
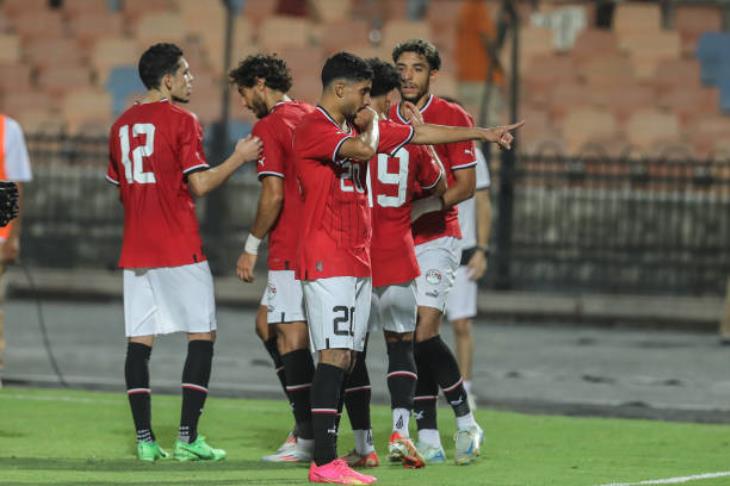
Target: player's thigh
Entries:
(185, 298)
(332, 312)
(397, 307)
(438, 260)
(462, 301)
(284, 298)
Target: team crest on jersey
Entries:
(433, 276)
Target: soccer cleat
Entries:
(197, 451)
(468, 444)
(401, 449)
(284, 451)
(354, 459)
(150, 451)
(431, 454)
(297, 453)
(337, 472)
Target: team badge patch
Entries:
(433, 277)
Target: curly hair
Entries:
(422, 47)
(269, 67)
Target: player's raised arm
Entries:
(202, 182)
(364, 146)
(437, 134)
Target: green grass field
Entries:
(75, 437)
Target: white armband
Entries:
(426, 205)
(252, 245)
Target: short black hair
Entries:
(344, 65)
(385, 76)
(157, 61)
(269, 67)
(422, 47)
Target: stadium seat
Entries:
(534, 41)
(258, 10)
(87, 106)
(330, 11)
(59, 80)
(11, 8)
(88, 27)
(9, 48)
(691, 21)
(110, 52)
(80, 7)
(43, 53)
(583, 125)
(395, 31)
(647, 127)
(549, 69)
(648, 49)
(160, 27)
(609, 70)
(594, 42)
(713, 49)
(122, 82)
(134, 9)
(677, 73)
(45, 24)
(632, 17)
(214, 42)
(14, 77)
(344, 35)
(22, 101)
(623, 99)
(41, 121)
(279, 31)
(563, 97)
(202, 20)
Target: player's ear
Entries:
(433, 74)
(340, 89)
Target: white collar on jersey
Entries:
(334, 122)
(422, 110)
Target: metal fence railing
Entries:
(578, 223)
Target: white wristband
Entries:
(252, 245)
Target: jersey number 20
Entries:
(133, 169)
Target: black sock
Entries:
(273, 350)
(137, 377)
(358, 394)
(424, 404)
(195, 387)
(401, 374)
(299, 369)
(341, 400)
(326, 387)
(445, 370)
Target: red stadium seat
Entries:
(646, 128)
(691, 21)
(9, 48)
(396, 31)
(331, 10)
(14, 77)
(160, 27)
(43, 53)
(631, 17)
(110, 52)
(59, 80)
(85, 106)
(87, 27)
(42, 24)
(13, 8)
(583, 125)
(344, 35)
(73, 8)
(134, 9)
(279, 31)
(648, 49)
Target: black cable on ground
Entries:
(42, 326)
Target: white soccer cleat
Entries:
(468, 444)
(289, 445)
(472, 401)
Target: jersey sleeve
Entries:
(191, 155)
(483, 179)
(461, 155)
(393, 136)
(112, 172)
(272, 156)
(321, 141)
(17, 162)
(428, 171)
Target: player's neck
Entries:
(153, 96)
(276, 98)
(423, 100)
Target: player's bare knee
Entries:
(292, 336)
(462, 328)
(395, 337)
(146, 340)
(341, 358)
(201, 336)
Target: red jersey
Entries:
(152, 148)
(454, 156)
(276, 131)
(336, 229)
(394, 180)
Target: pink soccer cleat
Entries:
(337, 472)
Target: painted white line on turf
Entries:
(675, 480)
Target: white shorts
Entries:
(393, 308)
(169, 299)
(283, 298)
(338, 309)
(438, 260)
(462, 301)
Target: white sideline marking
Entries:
(676, 480)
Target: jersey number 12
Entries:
(133, 168)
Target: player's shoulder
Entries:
(454, 110)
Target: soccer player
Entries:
(156, 160)
(393, 179)
(475, 219)
(436, 236)
(263, 82)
